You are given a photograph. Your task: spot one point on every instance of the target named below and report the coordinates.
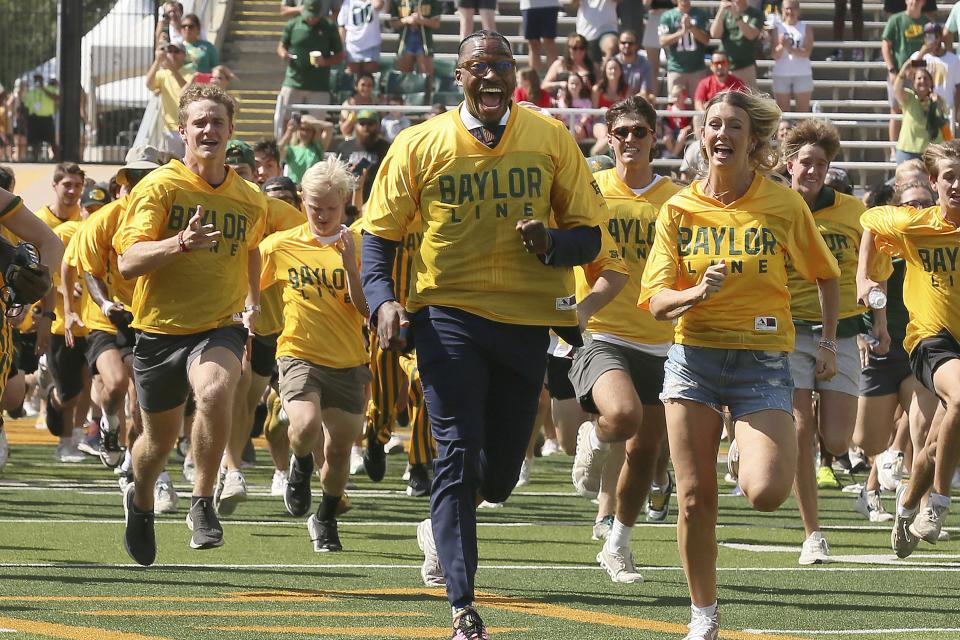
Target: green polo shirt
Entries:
(202, 56)
(687, 55)
(741, 51)
(300, 39)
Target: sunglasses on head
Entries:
(638, 130)
(479, 68)
(917, 204)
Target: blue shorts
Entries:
(743, 380)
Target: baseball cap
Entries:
(368, 114)
(97, 194)
(143, 157)
(600, 163)
(839, 180)
(316, 8)
(279, 182)
(239, 152)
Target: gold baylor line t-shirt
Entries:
(198, 290)
(753, 235)
(470, 198)
(280, 217)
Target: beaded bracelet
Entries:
(829, 345)
(183, 245)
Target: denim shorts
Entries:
(744, 380)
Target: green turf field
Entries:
(64, 573)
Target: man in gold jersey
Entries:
(619, 375)
(109, 345)
(489, 279)
(927, 240)
(190, 235)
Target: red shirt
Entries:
(520, 95)
(710, 87)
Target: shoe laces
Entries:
(202, 512)
(701, 623)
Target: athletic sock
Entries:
(595, 442)
(903, 512)
(328, 507)
(709, 612)
(619, 535)
(938, 500)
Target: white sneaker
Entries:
(231, 492)
(550, 448)
(394, 445)
(944, 536)
(68, 453)
(431, 572)
(619, 565)
(929, 522)
(902, 541)
(602, 527)
(733, 463)
(164, 497)
(524, 478)
(278, 486)
(406, 474)
(490, 505)
(4, 449)
(356, 460)
(869, 506)
(890, 470)
(189, 469)
(815, 550)
(703, 627)
(588, 463)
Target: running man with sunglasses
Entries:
(490, 278)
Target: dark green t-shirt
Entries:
(300, 39)
(905, 35)
(741, 51)
(687, 55)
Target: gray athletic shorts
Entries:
(599, 357)
(338, 388)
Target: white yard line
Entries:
(850, 632)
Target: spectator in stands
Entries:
(951, 29)
(359, 22)
(675, 131)
(529, 89)
(683, 33)
(169, 27)
(577, 61)
(41, 104)
(221, 76)
(636, 68)
(366, 151)
(878, 195)
(839, 24)
(651, 31)
(202, 55)
(902, 37)
(17, 112)
(363, 88)
(266, 156)
(611, 89)
(839, 180)
(167, 78)
(896, 6)
(416, 20)
(739, 27)
(595, 19)
(6, 135)
(395, 121)
(468, 8)
(303, 143)
(577, 94)
(540, 30)
(792, 72)
(307, 80)
(944, 66)
(679, 101)
(293, 8)
(719, 80)
(924, 120)
(436, 109)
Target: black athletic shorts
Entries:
(25, 352)
(161, 362)
(883, 375)
(540, 23)
(558, 381)
(100, 341)
(40, 129)
(477, 4)
(263, 355)
(66, 365)
(930, 353)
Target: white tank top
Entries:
(790, 64)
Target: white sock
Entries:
(110, 422)
(709, 612)
(595, 442)
(938, 500)
(164, 477)
(903, 512)
(619, 535)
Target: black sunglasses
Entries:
(479, 68)
(628, 43)
(638, 130)
(190, 25)
(917, 204)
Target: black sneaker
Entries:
(419, 483)
(467, 625)
(297, 496)
(111, 455)
(324, 534)
(202, 520)
(138, 537)
(54, 416)
(375, 458)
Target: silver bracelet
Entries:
(829, 345)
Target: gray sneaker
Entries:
(588, 463)
(928, 523)
(202, 520)
(431, 572)
(902, 541)
(231, 492)
(619, 565)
